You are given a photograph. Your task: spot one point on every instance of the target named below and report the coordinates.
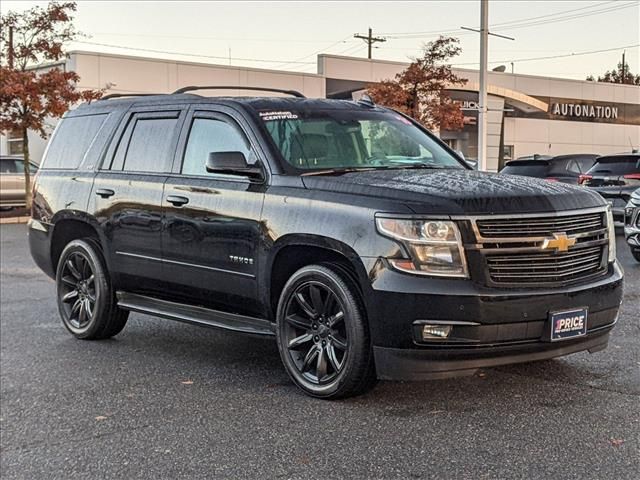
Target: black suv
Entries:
(562, 168)
(344, 229)
(615, 177)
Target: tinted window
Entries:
(72, 139)
(320, 139)
(618, 165)
(527, 169)
(8, 165)
(209, 135)
(149, 149)
(572, 166)
(586, 163)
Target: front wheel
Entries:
(636, 255)
(322, 333)
(86, 301)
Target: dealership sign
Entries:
(583, 111)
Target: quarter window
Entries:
(72, 140)
(212, 135)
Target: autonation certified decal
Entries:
(278, 115)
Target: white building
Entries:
(527, 114)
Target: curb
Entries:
(14, 220)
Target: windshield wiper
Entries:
(418, 165)
(340, 171)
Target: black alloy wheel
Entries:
(316, 337)
(78, 291)
(86, 300)
(322, 333)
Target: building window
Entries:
(15, 145)
(507, 152)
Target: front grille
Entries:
(524, 250)
(539, 226)
(545, 268)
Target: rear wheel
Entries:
(322, 333)
(86, 301)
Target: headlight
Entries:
(611, 230)
(435, 246)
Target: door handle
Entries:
(177, 200)
(105, 192)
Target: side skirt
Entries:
(194, 315)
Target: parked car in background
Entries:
(632, 224)
(12, 181)
(615, 177)
(562, 168)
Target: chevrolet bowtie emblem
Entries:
(560, 242)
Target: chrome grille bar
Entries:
(512, 247)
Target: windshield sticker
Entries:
(277, 115)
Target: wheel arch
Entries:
(68, 226)
(292, 252)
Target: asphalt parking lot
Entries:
(167, 400)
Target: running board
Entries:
(194, 315)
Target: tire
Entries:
(636, 255)
(86, 301)
(323, 335)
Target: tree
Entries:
(616, 76)
(31, 91)
(419, 90)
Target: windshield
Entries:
(353, 139)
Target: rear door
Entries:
(127, 195)
(212, 228)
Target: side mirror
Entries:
(460, 154)
(232, 163)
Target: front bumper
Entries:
(414, 364)
(489, 326)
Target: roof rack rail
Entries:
(120, 95)
(293, 93)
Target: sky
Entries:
(289, 35)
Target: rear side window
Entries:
(72, 140)
(147, 144)
(8, 165)
(209, 135)
(618, 165)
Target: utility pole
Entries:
(622, 79)
(370, 40)
(10, 49)
(482, 100)
(484, 74)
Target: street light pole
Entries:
(482, 100)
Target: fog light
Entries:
(430, 332)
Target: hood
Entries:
(455, 192)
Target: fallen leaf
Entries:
(187, 382)
(99, 418)
(616, 442)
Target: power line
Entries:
(530, 59)
(524, 22)
(200, 37)
(343, 40)
(217, 57)
(568, 17)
